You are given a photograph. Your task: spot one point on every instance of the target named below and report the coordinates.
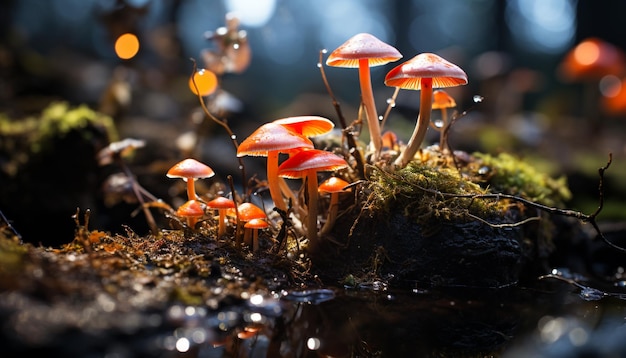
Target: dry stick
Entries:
(222, 123)
(9, 226)
(591, 219)
(390, 105)
(135, 186)
(237, 222)
(360, 166)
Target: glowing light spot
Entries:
(256, 300)
(206, 82)
(587, 53)
(127, 46)
(313, 343)
(256, 317)
(610, 86)
(183, 345)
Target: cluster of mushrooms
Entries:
(291, 137)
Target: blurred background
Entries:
(520, 98)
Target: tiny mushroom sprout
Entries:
(364, 50)
(269, 140)
(305, 164)
(192, 211)
(190, 170)
(334, 186)
(442, 101)
(423, 72)
(254, 225)
(221, 204)
(247, 212)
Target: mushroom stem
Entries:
(311, 227)
(191, 189)
(273, 180)
(370, 108)
(255, 240)
(333, 208)
(423, 120)
(444, 125)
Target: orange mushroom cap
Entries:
(249, 211)
(272, 137)
(190, 169)
(220, 202)
(333, 185)
(441, 99)
(190, 209)
(256, 223)
(308, 126)
(409, 74)
(363, 46)
(590, 60)
(320, 160)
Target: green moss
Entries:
(425, 192)
(510, 175)
(55, 121)
(435, 188)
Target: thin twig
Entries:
(222, 123)
(390, 105)
(9, 226)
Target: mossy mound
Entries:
(441, 222)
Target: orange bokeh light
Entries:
(587, 52)
(205, 80)
(127, 46)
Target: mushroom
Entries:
(253, 226)
(305, 164)
(423, 72)
(191, 210)
(221, 204)
(334, 186)
(308, 126)
(364, 50)
(442, 101)
(190, 170)
(269, 140)
(591, 61)
(247, 212)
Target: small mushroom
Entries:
(221, 204)
(253, 226)
(190, 170)
(269, 140)
(305, 164)
(192, 211)
(247, 212)
(334, 186)
(364, 50)
(423, 72)
(442, 101)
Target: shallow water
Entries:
(553, 319)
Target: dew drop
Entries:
(391, 102)
(438, 123)
(324, 50)
(380, 118)
(478, 98)
(233, 137)
(319, 65)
